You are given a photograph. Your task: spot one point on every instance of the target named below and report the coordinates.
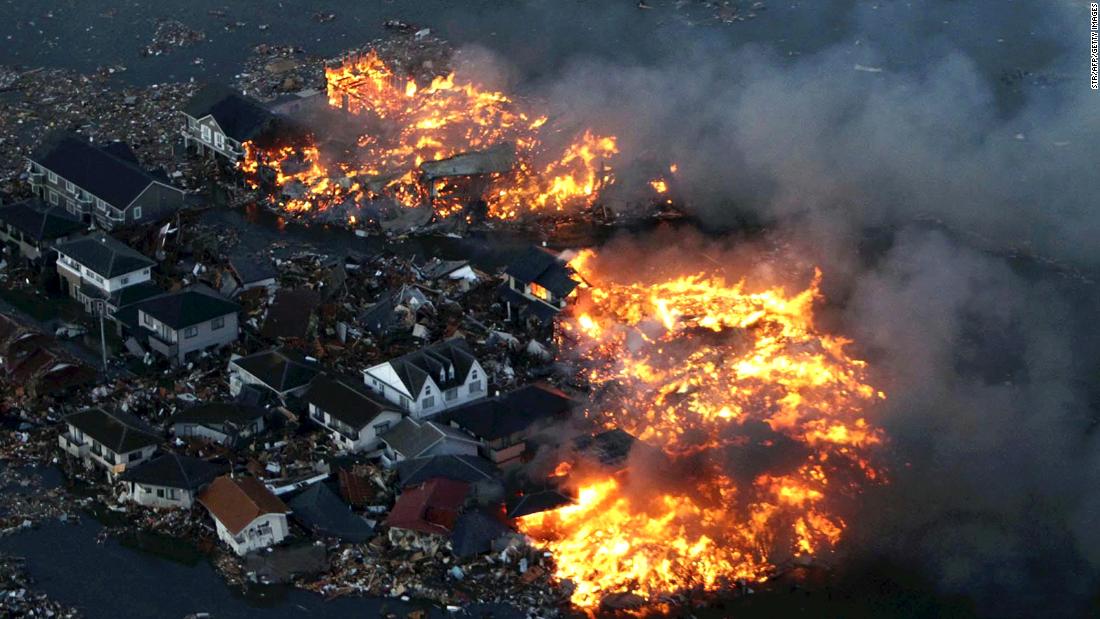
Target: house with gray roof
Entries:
(218, 121)
(506, 423)
(104, 185)
(353, 416)
(96, 268)
(422, 439)
(431, 380)
(226, 423)
(111, 440)
(181, 324)
(32, 226)
(537, 285)
(169, 480)
(282, 372)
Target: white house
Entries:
(113, 441)
(430, 380)
(246, 514)
(168, 481)
(99, 268)
(283, 373)
(353, 418)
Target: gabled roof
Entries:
(412, 439)
(475, 531)
(218, 414)
(502, 416)
(250, 269)
(118, 431)
(188, 307)
(345, 399)
(414, 368)
(39, 220)
(105, 255)
(236, 502)
(536, 501)
(174, 471)
(110, 172)
(241, 118)
(324, 513)
(470, 469)
(431, 507)
(279, 370)
(543, 267)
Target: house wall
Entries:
(207, 433)
(85, 447)
(156, 202)
(55, 191)
(180, 345)
(210, 143)
(173, 498)
(250, 538)
(383, 380)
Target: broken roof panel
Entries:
(290, 313)
(498, 159)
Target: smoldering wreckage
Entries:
(374, 424)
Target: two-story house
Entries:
(537, 285)
(32, 227)
(283, 373)
(169, 480)
(104, 185)
(218, 121)
(504, 424)
(353, 417)
(246, 514)
(111, 440)
(181, 324)
(430, 380)
(96, 269)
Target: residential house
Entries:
(504, 424)
(350, 413)
(419, 439)
(111, 440)
(246, 514)
(292, 315)
(32, 227)
(227, 423)
(430, 380)
(535, 500)
(169, 480)
(537, 285)
(324, 514)
(218, 121)
(104, 185)
(483, 476)
(251, 272)
(425, 515)
(181, 324)
(479, 531)
(283, 373)
(96, 269)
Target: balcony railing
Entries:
(72, 445)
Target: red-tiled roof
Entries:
(236, 502)
(431, 507)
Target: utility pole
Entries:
(101, 308)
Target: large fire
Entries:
(407, 124)
(761, 421)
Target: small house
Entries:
(226, 423)
(169, 480)
(97, 269)
(283, 373)
(351, 414)
(537, 285)
(246, 514)
(419, 439)
(430, 380)
(181, 324)
(32, 227)
(504, 424)
(111, 440)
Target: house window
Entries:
(148, 320)
(219, 140)
(190, 332)
(101, 204)
(125, 280)
(217, 323)
(109, 456)
(137, 212)
(381, 428)
(53, 198)
(450, 394)
(52, 177)
(160, 493)
(429, 401)
(475, 387)
(205, 133)
(173, 494)
(69, 187)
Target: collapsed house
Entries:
(104, 185)
(247, 515)
(324, 514)
(424, 516)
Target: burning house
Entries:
(218, 121)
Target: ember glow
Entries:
(407, 124)
(762, 418)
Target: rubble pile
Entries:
(17, 597)
(171, 34)
(274, 70)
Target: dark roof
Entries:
(543, 267)
(174, 471)
(118, 431)
(39, 220)
(345, 399)
(135, 294)
(105, 255)
(414, 368)
(250, 269)
(326, 514)
(218, 413)
(474, 533)
(470, 469)
(610, 447)
(236, 502)
(188, 307)
(543, 312)
(110, 173)
(290, 312)
(241, 118)
(536, 501)
(411, 438)
(499, 417)
(381, 317)
(431, 507)
(279, 370)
